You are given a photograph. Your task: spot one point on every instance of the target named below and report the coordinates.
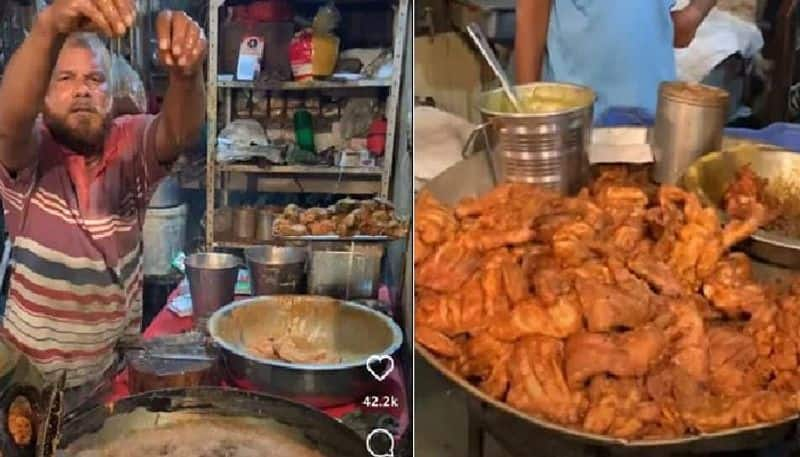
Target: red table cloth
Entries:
(167, 323)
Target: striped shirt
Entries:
(76, 279)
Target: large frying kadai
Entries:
(101, 424)
(518, 431)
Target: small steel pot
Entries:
(276, 270)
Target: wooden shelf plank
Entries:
(300, 169)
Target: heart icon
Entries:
(376, 367)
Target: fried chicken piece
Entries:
(537, 381)
(533, 318)
(322, 227)
(628, 354)
(657, 273)
(688, 332)
(551, 283)
(731, 356)
(731, 289)
(606, 307)
(436, 341)
(434, 224)
(449, 267)
(486, 359)
(487, 240)
(21, 419)
(570, 243)
(621, 408)
(298, 349)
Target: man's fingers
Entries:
(186, 57)
(95, 16)
(113, 17)
(164, 31)
(127, 11)
(180, 24)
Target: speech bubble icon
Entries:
(376, 367)
(380, 439)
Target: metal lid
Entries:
(694, 94)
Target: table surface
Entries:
(169, 323)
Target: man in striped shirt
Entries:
(75, 182)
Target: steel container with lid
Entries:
(689, 122)
(546, 144)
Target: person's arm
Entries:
(182, 48)
(531, 38)
(687, 20)
(23, 88)
(28, 73)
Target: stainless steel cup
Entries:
(212, 283)
(689, 121)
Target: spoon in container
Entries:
(479, 38)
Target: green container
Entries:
(304, 130)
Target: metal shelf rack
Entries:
(220, 178)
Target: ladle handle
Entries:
(479, 38)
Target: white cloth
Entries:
(719, 36)
(439, 138)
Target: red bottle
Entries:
(376, 138)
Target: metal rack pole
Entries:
(401, 24)
(211, 118)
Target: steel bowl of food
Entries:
(311, 349)
(762, 174)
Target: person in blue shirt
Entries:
(622, 49)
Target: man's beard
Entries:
(83, 139)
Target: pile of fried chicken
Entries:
(620, 311)
(348, 217)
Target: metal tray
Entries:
(709, 177)
(354, 238)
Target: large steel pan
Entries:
(519, 431)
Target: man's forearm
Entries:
(182, 116)
(531, 38)
(687, 20)
(23, 89)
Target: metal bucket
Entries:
(164, 235)
(546, 147)
(345, 270)
(212, 283)
(276, 270)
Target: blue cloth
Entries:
(623, 49)
(781, 134)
